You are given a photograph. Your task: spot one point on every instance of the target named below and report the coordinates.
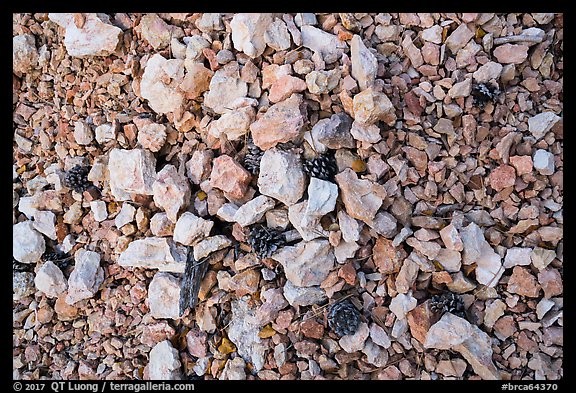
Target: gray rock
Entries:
(164, 363)
(131, 171)
(125, 216)
(243, 332)
(540, 124)
(451, 238)
(379, 336)
(99, 210)
(303, 296)
(305, 19)
(385, 224)
(86, 277)
(308, 226)
(402, 303)
(322, 196)
(97, 37)
(155, 253)
(209, 245)
(171, 191)
(281, 176)
(50, 280)
(24, 53)
(164, 296)
(543, 162)
(350, 227)
(454, 333)
(327, 45)
(28, 244)
(307, 263)
(541, 257)
(106, 132)
(369, 133)
(364, 63)
(345, 250)
(248, 32)
(355, 342)
(23, 285)
(190, 229)
(374, 354)
(433, 34)
(323, 81)
(334, 133)
(277, 36)
(162, 97)
(252, 211)
(517, 256)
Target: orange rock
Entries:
(420, 319)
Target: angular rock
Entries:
(355, 342)
(457, 334)
(24, 53)
(511, 53)
(86, 277)
(478, 250)
(196, 81)
(234, 124)
(334, 133)
(407, 275)
(125, 216)
(541, 257)
(155, 31)
(209, 245)
(522, 164)
(371, 106)
(243, 332)
(308, 226)
(401, 304)
(433, 34)
(196, 342)
(450, 260)
(451, 368)
(99, 210)
(190, 229)
(229, 176)
(307, 263)
(322, 81)
(494, 310)
(284, 87)
(327, 45)
(44, 222)
(502, 177)
(459, 38)
(225, 88)
(516, 256)
(164, 296)
(461, 89)
(155, 253)
(523, 283)
(362, 198)
(451, 238)
(487, 72)
(131, 171)
(385, 224)
(171, 191)
(162, 97)
(460, 284)
(152, 136)
(551, 282)
(198, 168)
(234, 370)
(283, 122)
(364, 63)
(248, 32)
(96, 37)
(281, 176)
(161, 226)
(273, 302)
(387, 257)
(322, 196)
(379, 336)
(543, 162)
(277, 36)
(50, 280)
(349, 227)
(420, 319)
(344, 251)
(303, 296)
(164, 363)
(252, 211)
(412, 52)
(369, 133)
(83, 133)
(23, 285)
(28, 244)
(543, 122)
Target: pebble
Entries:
(164, 363)
(459, 38)
(209, 245)
(85, 279)
(307, 263)
(493, 311)
(97, 37)
(243, 332)
(162, 97)
(196, 342)
(543, 122)
(131, 172)
(327, 45)
(24, 53)
(277, 35)
(190, 229)
(517, 256)
(543, 307)
(99, 210)
(379, 336)
(171, 191)
(511, 53)
(371, 106)
(487, 72)
(451, 238)
(420, 319)
(385, 224)
(355, 342)
(523, 283)
(334, 133)
(461, 89)
(322, 196)
(451, 368)
(164, 296)
(551, 282)
(229, 176)
(199, 167)
(401, 304)
(308, 226)
(28, 244)
(407, 275)
(350, 227)
(155, 253)
(303, 296)
(502, 177)
(478, 250)
(364, 63)
(412, 52)
(23, 285)
(282, 176)
(248, 32)
(283, 122)
(544, 162)
(362, 198)
(50, 280)
(433, 34)
(450, 260)
(226, 88)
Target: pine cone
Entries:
(448, 302)
(343, 318)
(323, 167)
(265, 241)
(60, 259)
(483, 93)
(77, 178)
(253, 157)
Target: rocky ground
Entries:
(405, 167)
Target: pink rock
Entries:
(171, 191)
(284, 87)
(362, 198)
(551, 282)
(523, 283)
(420, 319)
(154, 333)
(282, 122)
(505, 327)
(523, 164)
(196, 81)
(431, 53)
(511, 53)
(272, 73)
(502, 177)
(451, 238)
(229, 176)
(459, 38)
(412, 52)
(196, 342)
(199, 166)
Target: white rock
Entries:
(152, 136)
(371, 106)
(457, 334)
(325, 44)
(164, 363)
(131, 171)
(540, 124)
(277, 219)
(350, 227)
(24, 53)
(379, 336)
(160, 225)
(485, 73)
(461, 89)
(543, 162)
(234, 370)
(28, 244)
(493, 311)
(28, 206)
(162, 97)
(307, 263)
(304, 19)
(125, 216)
(86, 277)
(155, 253)
(322, 196)
(277, 36)
(364, 63)
(252, 211)
(83, 133)
(478, 250)
(355, 342)
(155, 31)
(281, 176)
(362, 198)
(198, 168)
(225, 87)
(99, 210)
(345, 250)
(190, 229)
(402, 303)
(517, 256)
(450, 260)
(543, 307)
(194, 48)
(451, 238)
(171, 191)
(385, 224)
(374, 354)
(303, 296)
(208, 245)
(243, 332)
(97, 36)
(227, 212)
(541, 257)
(234, 124)
(248, 32)
(105, 133)
(164, 296)
(433, 34)
(209, 22)
(369, 133)
(45, 223)
(50, 280)
(308, 226)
